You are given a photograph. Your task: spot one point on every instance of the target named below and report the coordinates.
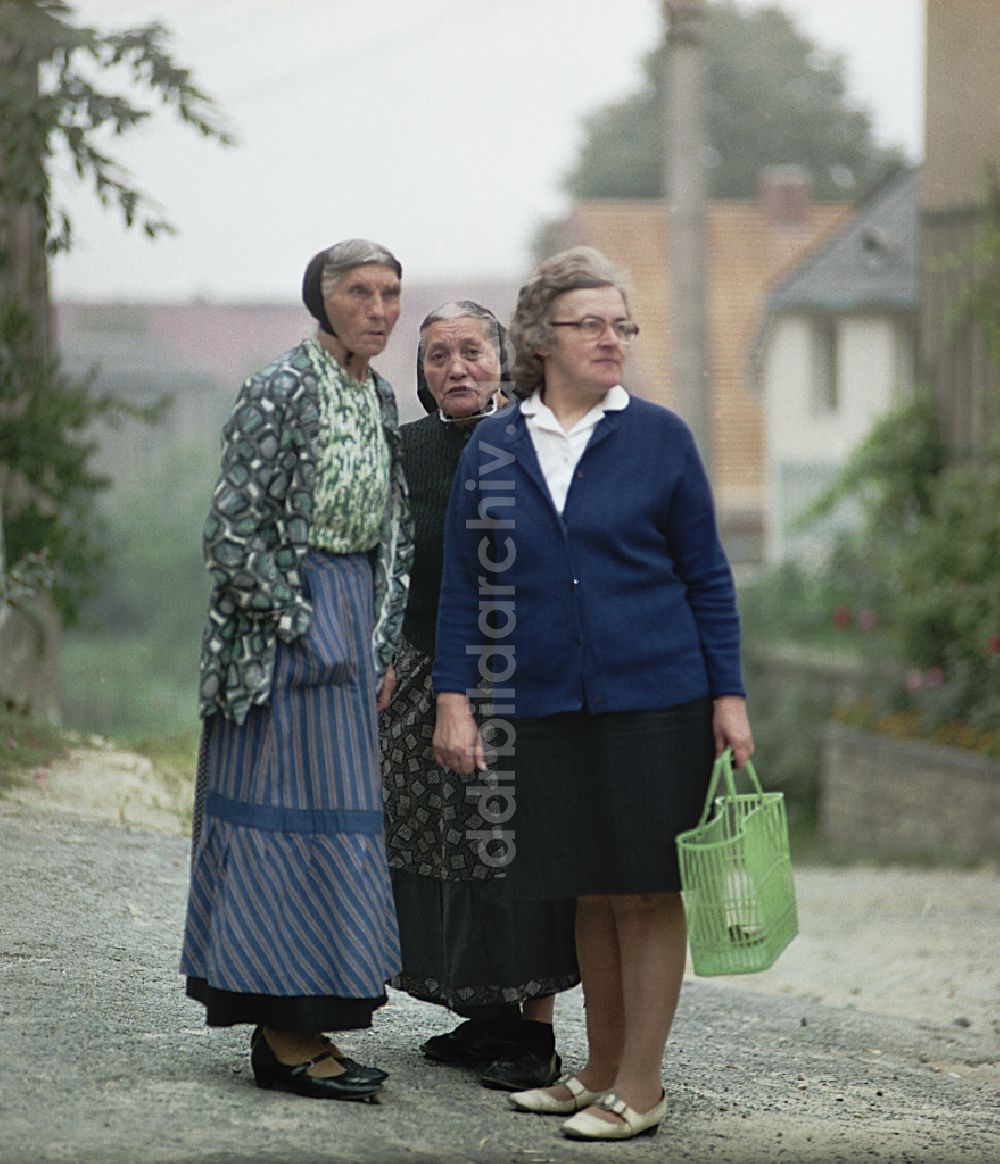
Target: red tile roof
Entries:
(747, 254)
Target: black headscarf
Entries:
(352, 252)
(312, 294)
(424, 394)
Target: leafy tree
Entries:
(47, 440)
(72, 110)
(57, 95)
(772, 99)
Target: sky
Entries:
(441, 128)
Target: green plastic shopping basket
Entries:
(736, 876)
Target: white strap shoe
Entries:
(540, 1101)
(585, 1126)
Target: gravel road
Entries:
(875, 1036)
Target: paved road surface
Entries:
(104, 1060)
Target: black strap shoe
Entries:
(376, 1074)
(270, 1073)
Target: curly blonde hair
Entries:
(572, 270)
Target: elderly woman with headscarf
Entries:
(290, 922)
(588, 510)
(465, 944)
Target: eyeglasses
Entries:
(592, 327)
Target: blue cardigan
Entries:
(624, 602)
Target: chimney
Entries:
(783, 191)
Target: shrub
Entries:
(914, 591)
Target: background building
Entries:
(836, 351)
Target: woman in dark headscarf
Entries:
(464, 943)
(290, 922)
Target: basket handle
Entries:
(723, 769)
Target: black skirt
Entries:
(466, 943)
(600, 799)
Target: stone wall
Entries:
(891, 797)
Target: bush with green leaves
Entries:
(915, 590)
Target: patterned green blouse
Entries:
(258, 531)
(352, 477)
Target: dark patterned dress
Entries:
(465, 943)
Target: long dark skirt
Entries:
(465, 943)
(600, 799)
(290, 919)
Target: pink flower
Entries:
(914, 680)
(867, 620)
(842, 617)
(934, 677)
(993, 644)
(11, 742)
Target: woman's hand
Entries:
(385, 692)
(457, 743)
(731, 727)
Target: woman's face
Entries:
(461, 365)
(363, 306)
(591, 365)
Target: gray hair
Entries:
(354, 252)
(461, 309)
(328, 265)
(493, 331)
(572, 270)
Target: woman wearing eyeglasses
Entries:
(584, 575)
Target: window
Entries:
(824, 365)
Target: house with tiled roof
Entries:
(836, 351)
(751, 244)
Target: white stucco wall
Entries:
(806, 444)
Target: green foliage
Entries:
(798, 659)
(892, 472)
(787, 719)
(71, 111)
(789, 605)
(900, 630)
(130, 670)
(58, 95)
(914, 590)
(46, 447)
(945, 616)
(27, 749)
(121, 687)
(772, 99)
